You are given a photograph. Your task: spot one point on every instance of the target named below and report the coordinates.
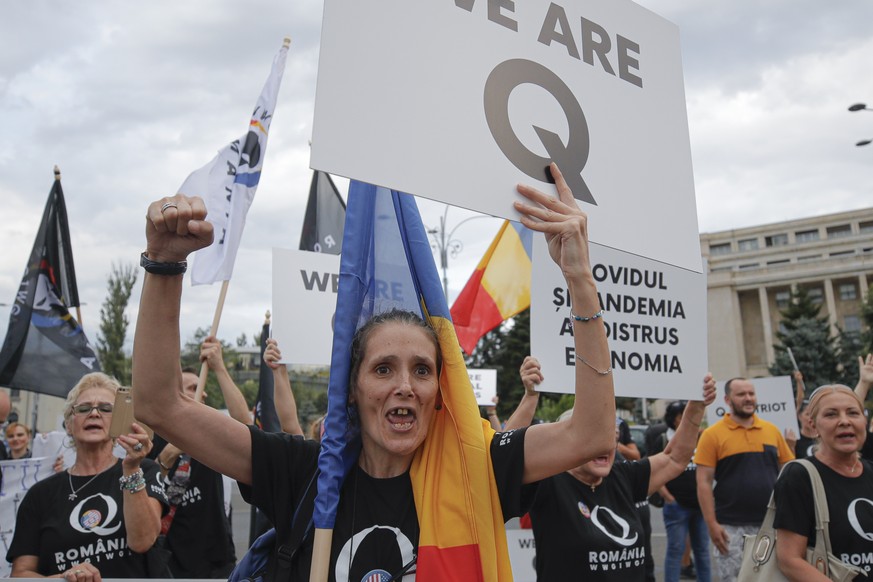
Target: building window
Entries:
(776, 240)
(782, 299)
(808, 258)
(748, 244)
(842, 253)
(852, 323)
(866, 227)
(778, 262)
(748, 266)
(806, 236)
(815, 295)
(840, 231)
(720, 249)
(848, 292)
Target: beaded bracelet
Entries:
(597, 315)
(133, 483)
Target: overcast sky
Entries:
(128, 98)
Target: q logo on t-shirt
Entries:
(855, 521)
(624, 540)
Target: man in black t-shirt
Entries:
(198, 529)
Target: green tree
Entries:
(114, 323)
(808, 335)
(504, 349)
(850, 345)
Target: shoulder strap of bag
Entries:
(822, 517)
(301, 527)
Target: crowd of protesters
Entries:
(160, 509)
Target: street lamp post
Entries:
(861, 107)
(446, 245)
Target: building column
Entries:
(763, 300)
(832, 306)
(864, 285)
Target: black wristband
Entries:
(156, 268)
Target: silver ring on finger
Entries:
(168, 205)
(137, 447)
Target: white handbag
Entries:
(759, 555)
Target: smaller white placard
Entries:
(484, 385)
(522, 553)
(775, 403)
(304, 301)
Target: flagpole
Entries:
(204, 367)
(320, 555)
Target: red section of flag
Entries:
(454, 564)
(474, 313)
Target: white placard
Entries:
(775, 403)
(18, 477)
(304, 302)
(484, 385)
(655, 316)
(459, 101)
(522, 553)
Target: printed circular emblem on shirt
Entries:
(376, 576)
(95, 514)
(583, 509)
(90, 518)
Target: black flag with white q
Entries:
(45, 349)
(325, 217)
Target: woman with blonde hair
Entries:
(18, 439)
(837, 415)
(98, 518)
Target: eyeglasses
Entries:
(103, 408)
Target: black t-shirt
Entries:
(200, 535)
(803, 447)
(590, 535)
(63, 533)
(867, 449)
(850, 504)
(376, 529)
(683, 487)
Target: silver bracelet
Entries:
(601, 372)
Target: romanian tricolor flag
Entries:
(499, 287)
(386, 264)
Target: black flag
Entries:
(265, 406)
(325, 216)
(45, 349)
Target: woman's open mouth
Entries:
(401, 418)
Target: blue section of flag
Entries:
(525, 235)
(248, 179)
(386, 264)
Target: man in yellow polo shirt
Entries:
(742, 455)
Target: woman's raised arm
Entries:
(557, 447)
(176, 227)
